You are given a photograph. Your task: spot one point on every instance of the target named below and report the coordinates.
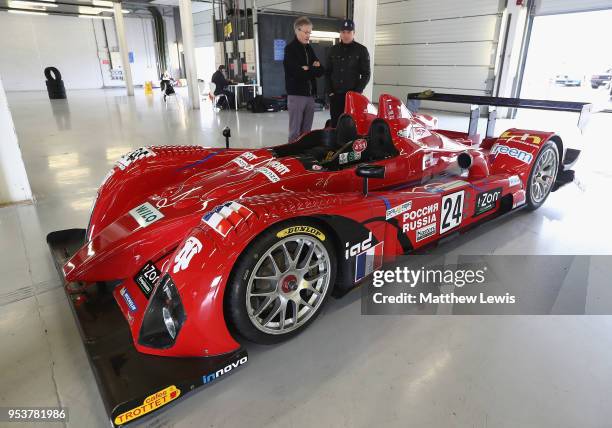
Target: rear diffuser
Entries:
(131, 384)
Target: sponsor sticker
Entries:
(242, 163)
(486, 201)
(359, 145)
(519, 198)
(317, 167)
(128, 299)
(418, 218)
(269, 174)
(145, 214)
(522, 138)
(349, 157)
(400, 209)
(151, 403)
(429, 160)
(146, 278)
(368, 261)
(309, 230)
(358, 247)
(426, 232)
(513, 152)
(514, 180)
(225, 370)
(130, 158)
(191, 247)
(225, 217)
(404, 133)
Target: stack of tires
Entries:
(55, 84)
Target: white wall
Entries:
(14, 184)
(30, 43)
(75, 46)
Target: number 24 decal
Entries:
(452, 211)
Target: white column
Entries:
(14, 184)
(507, 72)
(189, 52)
(364, 15)
(123, 49)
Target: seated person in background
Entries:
(221, 83)
(166, 84)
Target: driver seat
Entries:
(346, 130)
(380, 142)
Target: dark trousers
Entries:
(336, 107)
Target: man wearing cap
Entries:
(347, 69)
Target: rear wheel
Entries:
(281, 282)
(542, 176)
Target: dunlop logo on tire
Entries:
(301, 229)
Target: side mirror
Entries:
(367, 172)
(227, 133)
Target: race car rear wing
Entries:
(477, 101)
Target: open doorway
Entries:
(569, 58)
(205, 63)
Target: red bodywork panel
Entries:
(159, 203)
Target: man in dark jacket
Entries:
(302, 67)
(348, 69)
(221, 83)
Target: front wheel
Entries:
(542, 176)
(281, 282)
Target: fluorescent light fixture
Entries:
(90, 10)
(24, 12)
(18, 4)
(94, 17)
(325, 35)
(125, 11)
(102, 3)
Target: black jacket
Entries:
(297, 80)
(220, 82)
(347, 68)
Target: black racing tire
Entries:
(52, 73)
(240, 315)
(534, 200)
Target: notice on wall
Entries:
(279, 49)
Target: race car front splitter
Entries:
(132, 384)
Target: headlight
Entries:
(164, 317)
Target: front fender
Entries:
(202, 275)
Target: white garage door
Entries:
(446, 46)
(552, 7)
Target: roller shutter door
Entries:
(553, 7)
(442, 45)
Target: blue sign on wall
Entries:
(279, 49)
(131, 57)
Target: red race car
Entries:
(190, 248)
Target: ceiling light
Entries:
(24, 12)
(94, 17)
(102, 3)
(18, 4)
(90, 10)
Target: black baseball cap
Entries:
(347, 25)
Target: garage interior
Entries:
(345, 369)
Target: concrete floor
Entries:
(346, 369)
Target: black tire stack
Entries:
(55, 84)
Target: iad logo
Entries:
(359, 247)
